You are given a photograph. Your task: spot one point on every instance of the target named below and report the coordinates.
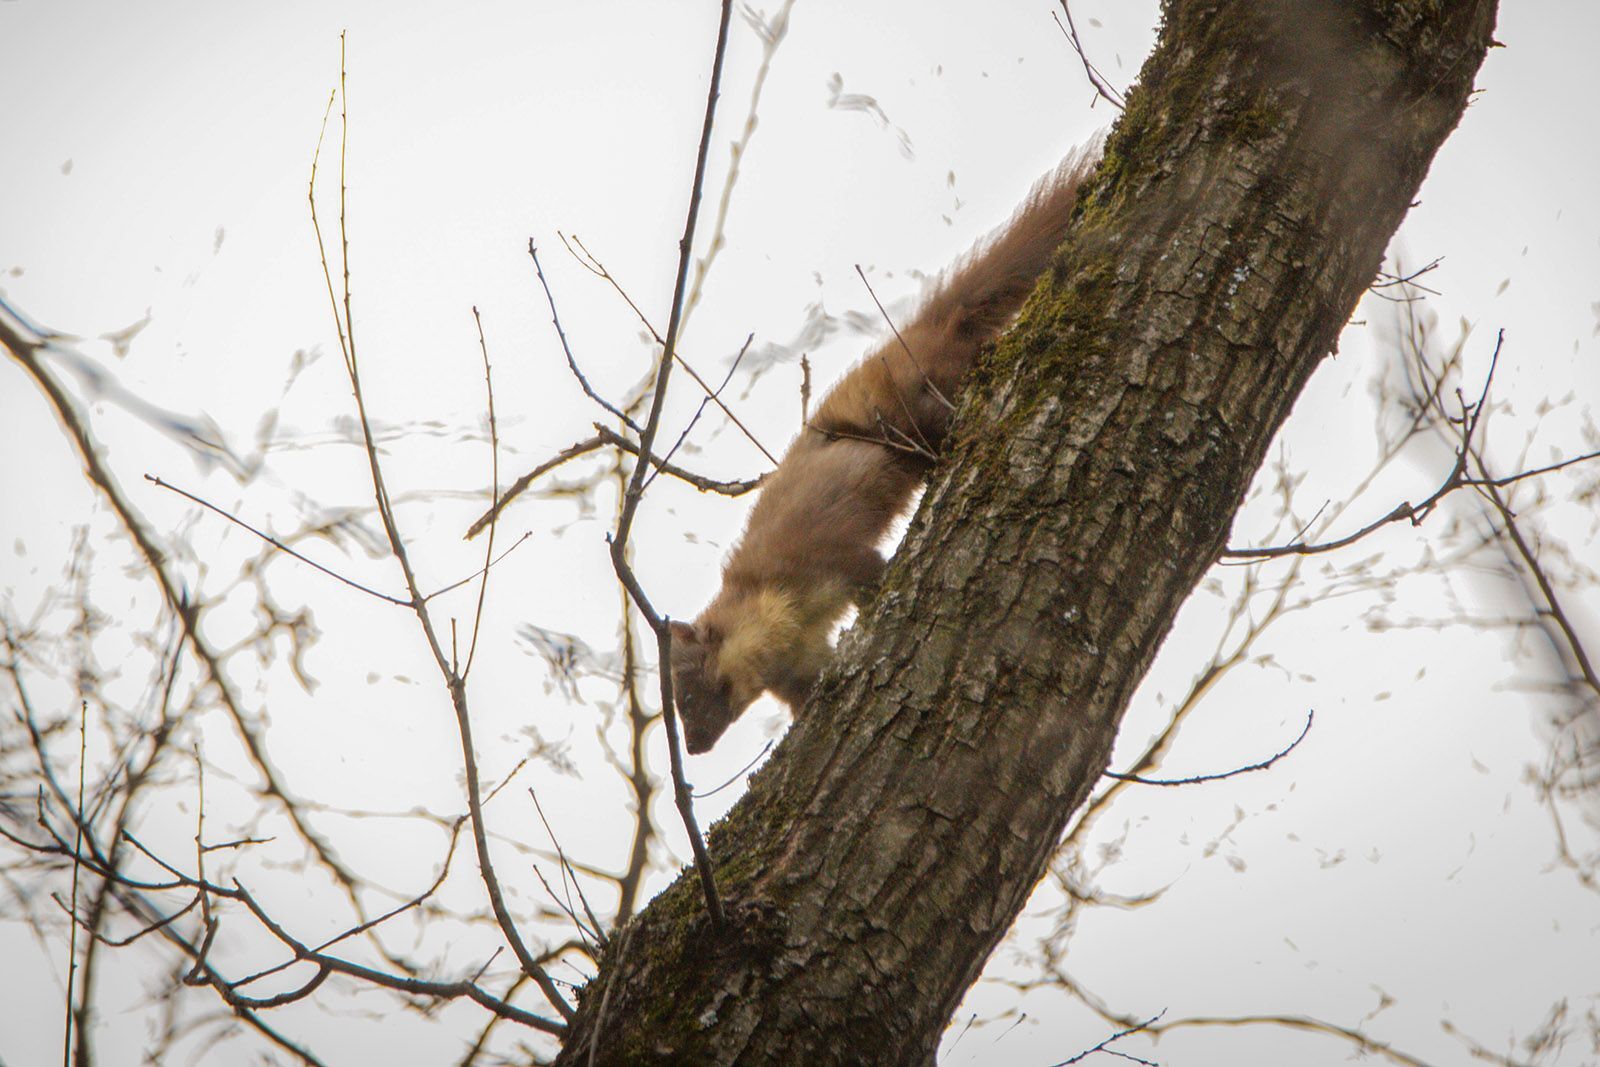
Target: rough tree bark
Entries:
(1244, 204)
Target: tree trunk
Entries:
(1243, 205)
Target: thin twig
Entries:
(275, 543)
(458, 583)
(912, 356)
(566, 907)
(909, 447)
(921, 445)
(1118, 1036)
(739, 774)
(572, 363)
(77, 866)
(494, 488)
(1387, 280)
(1102, 87)
(1263, 765)
(598, 929)
(699, 411)
(595, 267)
(1460, 477)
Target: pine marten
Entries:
(811, 547)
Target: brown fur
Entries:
(811, 546)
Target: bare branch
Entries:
(592, 264)
(596, 929)
(494, 488)
(699, 481)
(1119, 1035)
(1460, 477)
(1102, 87)
(572, 363)
(573, 451)
(699, 411)
(275, 543)
(1263, 765)
(77, 867)
(912, 356)
(739, 774)
(633, 495)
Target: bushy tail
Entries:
(900, 394)
(978, 296)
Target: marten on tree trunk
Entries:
(811, 547)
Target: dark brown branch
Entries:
(603, 436)
(418, 986)
(573, 451)
(1403, 512)
(699, 481)
(77, 869)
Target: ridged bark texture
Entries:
(1267, 155)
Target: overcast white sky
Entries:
(155, 163)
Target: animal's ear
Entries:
(682, 631)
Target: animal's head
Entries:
(721, 664)
(704, 697)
